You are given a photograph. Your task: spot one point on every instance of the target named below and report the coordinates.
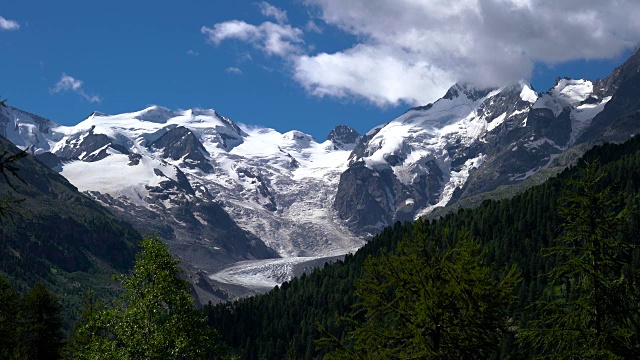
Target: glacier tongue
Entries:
(306, 200)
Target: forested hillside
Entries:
(551, 272)
(525, 232)
(53, 234)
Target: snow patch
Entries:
(567, 92)
(457, 180)
(582, 116)
(496, 122)
(527, 94)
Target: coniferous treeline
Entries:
(517, 232)
(550, 272)
(51, 233)
(30, 325)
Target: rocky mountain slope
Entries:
(218, 192)
(473, 141)
(58, 236)
(225, 194)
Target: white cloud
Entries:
(273, 39)
(192, 52)
(488, 42)
(372, 74)
(9, 25)
(272, 11)
(234, 29)
(69, 83)
(233, 70)
(411, 51)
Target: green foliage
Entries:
(428, 302)
(153, 319)
(85, 330)
(58, 236)
(590, 308)
(284, 322)
(42, 330)
(9, 169)
(9, 321)
(31, 326)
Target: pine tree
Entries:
(428, 302)
(590, 309)
(9, 321)
(42, 328)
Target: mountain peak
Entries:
(470, 91)
(205, 112)
(181, 144)
(155, 113)
(297, 139)
(344, 137)
(608, 86)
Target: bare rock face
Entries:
(222, 193)
(344, 137)
(181, 144)
(474, 140)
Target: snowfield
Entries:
(281, 186)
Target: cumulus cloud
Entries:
(411, 51)
(69, 83)
(233, 70)
(272, 11)
(9, 25)
(488, 42)
(371, 73)
(272, 38)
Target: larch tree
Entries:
(590, 309)
(428, 302)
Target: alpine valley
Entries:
(246, 208)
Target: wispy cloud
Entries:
(9, 25)
(69, 83)
(192, 52)
(313, 27)
(233, 70)
(272, 38)
(272, 11)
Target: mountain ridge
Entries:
(304, 198)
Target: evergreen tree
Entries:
(155, 317)
(9, 321)
(42, 327)
(590, 308)
(8, 168)
(428, 302)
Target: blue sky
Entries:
(305, 64)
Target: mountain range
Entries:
(247, 207)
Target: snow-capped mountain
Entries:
(179, 173)
(474, 140)
(226, 194)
